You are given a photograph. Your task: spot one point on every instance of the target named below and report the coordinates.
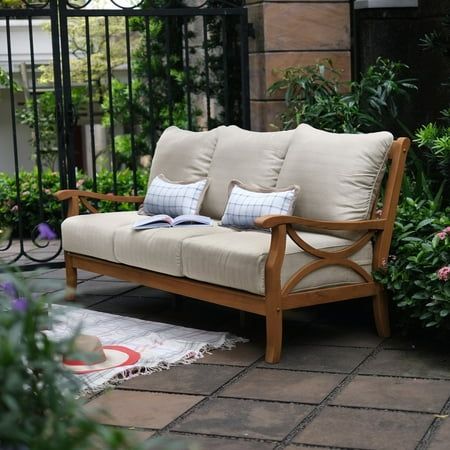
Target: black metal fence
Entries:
(87, 87)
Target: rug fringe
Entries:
(228, 344)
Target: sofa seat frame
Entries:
(277, 298)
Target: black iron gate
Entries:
(88, 86)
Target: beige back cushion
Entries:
(249, 156)
(340, 174)
(183, 155)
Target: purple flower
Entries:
(19, 304)
(9, 289)
(45, 232)
(442, 235)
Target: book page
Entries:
(192, 219)
(159, 220)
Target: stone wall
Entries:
(289, 33)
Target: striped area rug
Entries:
(160, 345)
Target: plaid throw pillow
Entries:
(245, 204)
(174, 198)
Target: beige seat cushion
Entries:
(93, 234)
(248, 156)
(158, 249)
(183, 155)
(339, 174)
(238, 261)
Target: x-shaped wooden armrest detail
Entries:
(283, 225)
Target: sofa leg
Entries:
(381, 313)
(71, 278)
(274, 335)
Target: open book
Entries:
(165, 221)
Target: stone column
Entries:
(290, 33)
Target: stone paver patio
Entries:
(337, 386)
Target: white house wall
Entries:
(6, 139)
(20, 51)
(20, 43)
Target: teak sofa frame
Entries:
(277, 298)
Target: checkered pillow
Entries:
(245, 204)
(174, 198)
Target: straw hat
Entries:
(98, 356)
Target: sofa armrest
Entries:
(350, 225)
(283, 226)
(75, 197)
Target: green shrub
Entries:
(417, 274)
(434, 141)
(51, 208)
(29, 200)
(316, 95)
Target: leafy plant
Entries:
(5, 81)
(418, 271)
(16, 4)
(316, 95)
(51, 210)
(44, 130)
(38, 406)
(434, 139)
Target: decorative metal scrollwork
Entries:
(36, 239)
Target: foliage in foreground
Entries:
(38, 406)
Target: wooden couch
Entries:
(324, 253)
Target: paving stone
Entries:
(195, 314)
(187, 379)
(441, 439)
(293, 317)
(320, 358)
(143, 291)
(409, 363)
(139, 409)
(45, 286)
(134, 438)
(371, 429)
(40, 272)
(60, 274)
(140, 436)
(192, 442)
(107, 278)
(244, 418)
(283, 385)
(325, 334)
(400, 343)
(395, 393)
(84, 301)
(303, 447)
(242, 355)
(131, 306)
(93, 287)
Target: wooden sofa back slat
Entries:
(397, 155)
